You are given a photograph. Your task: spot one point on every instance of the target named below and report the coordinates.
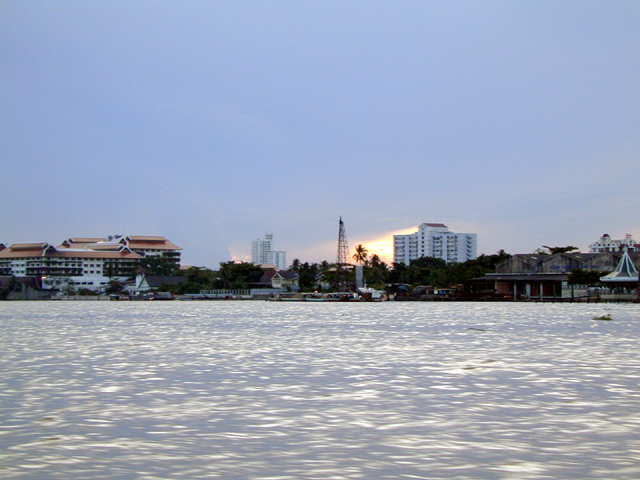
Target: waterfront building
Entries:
(142, 245)
(435, 240)
(607, 244)
(281, 279)
(89, 263)
(526, 276)
(262, 253)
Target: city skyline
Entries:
(209, 122)
(383, 247)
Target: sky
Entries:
(215, 123)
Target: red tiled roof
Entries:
(95, 254)
(108, 247)
(155, 243)
(85, 240)
(436, 225)
(80, 242)
(25, 250)
(28, 250)
(147, 238)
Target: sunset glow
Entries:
(383, 246)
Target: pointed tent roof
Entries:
(624, 272)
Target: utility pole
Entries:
(342, 261)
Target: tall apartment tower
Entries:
(435, 240)
(262, 253)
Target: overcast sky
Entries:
(213, 123)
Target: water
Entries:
(262, 390)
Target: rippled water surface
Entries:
(262, 390)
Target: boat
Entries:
(152, 296)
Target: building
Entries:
(435, 240)
(142, 245)
(262, 253)
(146, 283)
(281, 279)
(83, 263)
(607, 244)
(625, 273)
(526, 276)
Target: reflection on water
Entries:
(263, 390)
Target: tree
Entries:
(159, 265)
(9, 287)
(399, 274)
(546, 250)
(308, 275)
(114, 287)
(361, 254)
(239, 275)
(295, 265)
(584, 277)
(376, 272)
(201, 276)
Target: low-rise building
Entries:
(560, 263)
(281, 279)
(524, 276)
(607, 244)
(146, 283)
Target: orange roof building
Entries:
(84, 262)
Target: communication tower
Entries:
(342, 262)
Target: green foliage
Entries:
(9, 287)
(114, 287)
(462, 272)
(546, 250)
(423, 271)
(376, 272)
(584, 277)
(159, 265)
(308, 276)
(182, 288)
(201, 276)
(438, 273)
(361, 254)
(295, 265)
(238, 275)
(328, 273)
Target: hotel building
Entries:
(435, 240)
(89, 263)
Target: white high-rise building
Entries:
(262, 253)
(435, 240)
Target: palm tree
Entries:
(361, 254)
(295, 265)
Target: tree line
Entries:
(321, 276)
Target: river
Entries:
(290, 391)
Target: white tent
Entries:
(624, 272)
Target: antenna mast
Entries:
(342, 262)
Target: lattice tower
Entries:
(342, 261)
